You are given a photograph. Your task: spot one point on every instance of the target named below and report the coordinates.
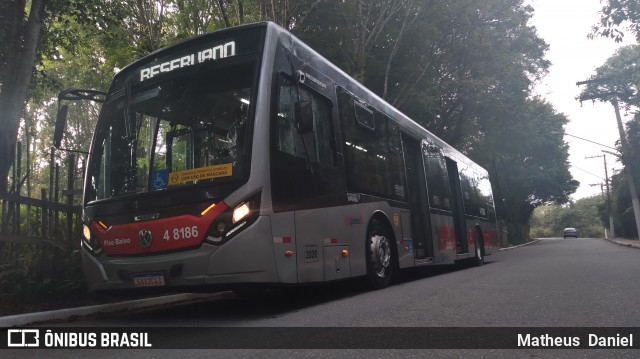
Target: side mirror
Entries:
(303, 114)
(61, 123)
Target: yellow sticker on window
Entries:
(200, 173)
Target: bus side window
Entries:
(437, 177)
(372, 149)
(289, 140)
(470, 191)
(484, 193)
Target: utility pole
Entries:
(625, 147)
(606, 179)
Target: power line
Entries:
(585, 171)
(584, 139)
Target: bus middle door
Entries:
(459, 221)
(418, 197)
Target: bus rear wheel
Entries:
(379, 251)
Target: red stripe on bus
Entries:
(167, 233)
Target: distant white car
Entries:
(570, 232)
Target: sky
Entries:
(564, 25)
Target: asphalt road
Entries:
(552, 283)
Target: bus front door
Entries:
(418, 198)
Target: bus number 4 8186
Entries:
(181, 233)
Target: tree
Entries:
(615, 17)
(26, 33)
(193, 17)
(618, 77)
(290, 14)
(20, 33)
(633, 139)
(625, 225)
(530, 168)
(357, 29)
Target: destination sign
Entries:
(213, 53)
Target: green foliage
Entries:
(39, 274)
(632, 154)
(618, 77)
(533, 172)
(585, 215)
(623, 216)
(615, 17)
(624, 220)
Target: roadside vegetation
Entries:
(585, 215)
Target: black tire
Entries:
(380, 255)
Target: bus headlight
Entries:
(240, 212)
(86, 232)
(233, 221)
(90, 241)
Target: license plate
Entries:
(148, 280)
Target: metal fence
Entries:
(49, 217)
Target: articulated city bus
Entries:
(242, 157)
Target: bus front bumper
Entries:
(246, 258)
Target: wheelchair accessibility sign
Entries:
(160, 179)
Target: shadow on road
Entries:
(269, 303)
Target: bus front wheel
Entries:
(379, 251)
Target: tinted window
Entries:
(484, 187)
(178, 131)
(437, 178)
(475, 202)
(372, 149)
(288, 140)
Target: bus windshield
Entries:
(177, 131)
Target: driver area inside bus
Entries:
(172, 126)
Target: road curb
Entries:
(65, 314)
(520, 245)
(626, 244)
